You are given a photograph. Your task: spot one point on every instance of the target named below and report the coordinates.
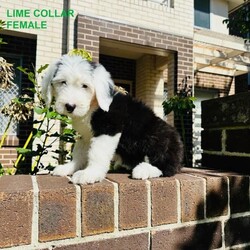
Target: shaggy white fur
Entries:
(79, 89)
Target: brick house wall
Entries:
(139, 13)
(224, 84)
(92, 30)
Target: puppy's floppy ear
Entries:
(46, 82)
(104, 86)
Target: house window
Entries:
(202, 13)
(6, 95)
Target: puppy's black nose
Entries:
(70, 107)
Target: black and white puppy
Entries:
(110, 124)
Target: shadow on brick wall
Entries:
(230, 199)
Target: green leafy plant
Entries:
(80, 52)
(5, 171)
(43, 133)
(182, 103)
(1, 170)
(240, 21)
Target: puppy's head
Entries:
(75, 84)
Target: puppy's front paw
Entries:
(87, 176)
(64, 170)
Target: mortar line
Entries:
(35, 214)
(178, 185)
(78, 211)
(116, 205)
(228, 213)
(149, 198)
(205, 198)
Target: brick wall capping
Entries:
(201, 205)
(226, 111)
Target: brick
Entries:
(232, 110)
(97, 208)
(208, 80)
(164, 201)
(211, 140)
(238, 164)
(216, 196)
(216, 191)
(238, 140)
(133, 201)
(239, 193)
(200, 236)
(131, 242)
(16, 208)
(192, 197)
(237, 231)
(57, 208)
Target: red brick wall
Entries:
(197, 209)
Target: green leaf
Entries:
(68, 131)
(23, 70)
(42, 68)
(39, 110)
(51, 114)
(23, 150)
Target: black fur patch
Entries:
(143, 134)
(57, 68)
(93, 65)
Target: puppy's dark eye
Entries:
(84, 86)
(64, 82)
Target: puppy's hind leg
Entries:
(145, 171)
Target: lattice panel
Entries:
(5, 98)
